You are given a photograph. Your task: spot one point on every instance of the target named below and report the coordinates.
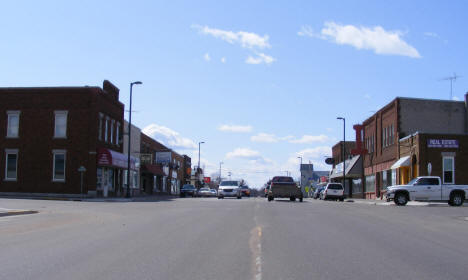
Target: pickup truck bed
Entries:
(284, 187)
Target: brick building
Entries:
(353, 187)
(163, 169)
(47, 133)
(398, 119)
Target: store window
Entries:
(11, 165)
(60, 130)
(370, 183)
(59, 165)
(357, 186)
(449, 170)
(117, 134)
(13, 124)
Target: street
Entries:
(207, 238)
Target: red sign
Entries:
(323, 179)
(360, 150)
(207, 180)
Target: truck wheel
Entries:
(239, 197)
(300, 199)
(456, 199)
(292, 198)
(401, 199)
(341, 199)
(270, 198)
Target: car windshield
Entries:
(412, 181)
(188, 187)
(204, 189)
(335, 186)
(229, 183)
(281, 179)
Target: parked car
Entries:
(229, 189)
(213, 192)
(333, 191)
(188, 190)
(284, 187)
(267, 188)
(245, 191)
(317, 192)
(204, 192)
(427, 188)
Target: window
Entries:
(101, 116)
(448, 170)
(60, 130)
(106, 121)
(117, 134)
(112, 132)
(13, 124)
(11, 165)
(59, 165)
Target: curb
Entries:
(17, 212)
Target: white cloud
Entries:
(306, 139)
(264, 138)
(207, 57)
(431, 34)
(315, 153)
(455, 98)
(245, 39)
(169, 136)
(369, 38)
(235, 128)
(367, 96)
(223, 60)
(259, 59)
(244, 153)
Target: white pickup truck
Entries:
(427, 188)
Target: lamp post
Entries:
(129, 137)
(198, 169)
(220, 171)
(344, 155)
(300, 172)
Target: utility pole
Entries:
(220, 171)
(350, 191)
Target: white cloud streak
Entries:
(244, 153)
(307, 139)
(375, 38)
(207, 57)
(235, 128)
(259, 59)
(169, 137)
(245, 39)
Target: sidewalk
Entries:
(12, 212)
(391, 203)
(142, 198)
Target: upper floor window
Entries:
(13, 124)
(59, 165)
(112, 131)
(117, 134)
(11, 164)
(60, 130)
(106, 126)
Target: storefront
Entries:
(353, 186)
(110, 171)
(151, 178)
(443, 155)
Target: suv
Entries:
(229, 188)
(333, 191)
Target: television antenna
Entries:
(452, 79)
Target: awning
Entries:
(353, 169)
(111, 158)
(404, 161)
(153, 169)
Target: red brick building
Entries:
(48, 133)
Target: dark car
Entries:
(317, 192)
(245, 191)
(188, 190)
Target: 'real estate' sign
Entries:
(442, 143)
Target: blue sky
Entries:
(261, 82)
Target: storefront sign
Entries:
(442, 143)
(163, 157)
(207, 180)
(107, 157)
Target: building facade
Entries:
(135, 145)
(48, 134)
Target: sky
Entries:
(260, 82)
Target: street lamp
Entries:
(344, 155)
(129, 137)
(199, 143)
(220, 171)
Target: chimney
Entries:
(110, 89)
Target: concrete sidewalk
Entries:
(13, 212)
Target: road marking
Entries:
(256, 250)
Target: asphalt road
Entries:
(195, 238)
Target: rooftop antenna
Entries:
(451, 79)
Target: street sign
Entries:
(81, 169)
(330, 160)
